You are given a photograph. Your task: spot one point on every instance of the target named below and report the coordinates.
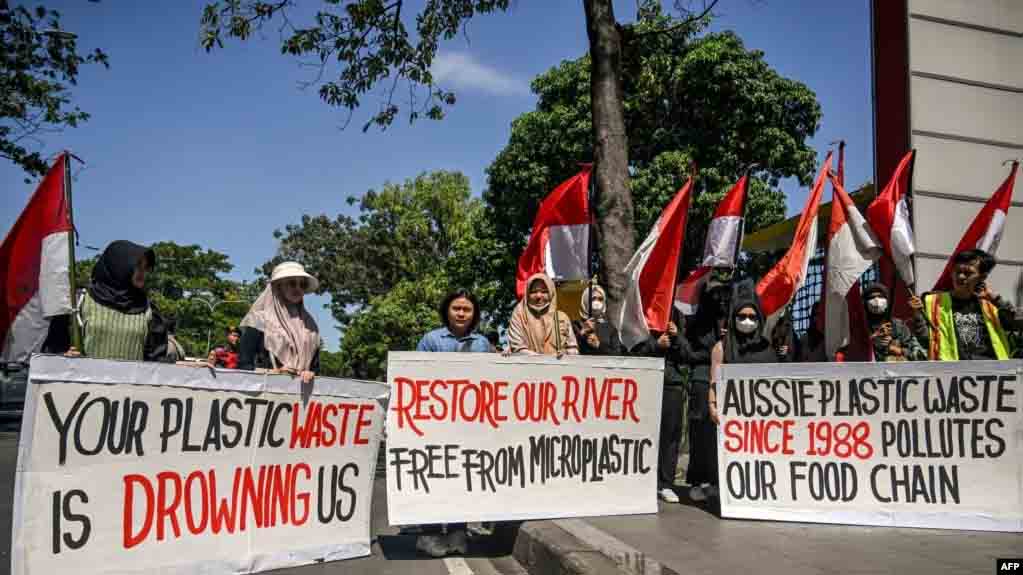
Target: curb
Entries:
(544, 548)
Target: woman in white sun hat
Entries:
(278, 333)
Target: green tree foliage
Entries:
(688, 98)
(185, 277)
(387, 268)
(367, 39)
(39, 63)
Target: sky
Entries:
(221, 149)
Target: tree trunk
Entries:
(615, 235)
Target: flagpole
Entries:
(909, 195)
(678, 268)
(76, 333)
(742, 219)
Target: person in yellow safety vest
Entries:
(969, 322)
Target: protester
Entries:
(744, 342)
(226, 356)
(596, 335)
(175, 351)
(460, 315)
(970, 322)
(277, 332)
(811, 345)
(672, 346)
(494, 337)
(890, 338)
(118, 320)
(537, 327)
(703, 330)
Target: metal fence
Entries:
(802, 304)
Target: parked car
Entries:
(13, 382)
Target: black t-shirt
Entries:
(971, 330)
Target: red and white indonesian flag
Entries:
(888, 215)
(560, 241)
(985, 232)
(778, 286)
(652, 272)
(852, 248)
(724, 233)
(34, 264)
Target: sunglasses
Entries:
(752, 316)
(294, 282)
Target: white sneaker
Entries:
(697, 494)
(667, 495)
(712, 491)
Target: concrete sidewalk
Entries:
(689, 538)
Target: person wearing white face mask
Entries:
(596, 335)
(890, 338)
(744, 342)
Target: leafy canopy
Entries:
(358, 46)
(39, 64)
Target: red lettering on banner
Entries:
(133, 539)
(318, 428)
(168, 497)
(364, 421)
(165, 510)
(759, 436)
(459, 400)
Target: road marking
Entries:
(624, 555)
(458, 566)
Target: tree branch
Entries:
(683, 24)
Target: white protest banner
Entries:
(925, 444)
(481, 437)
(127, 467)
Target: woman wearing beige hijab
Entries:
(536, 326)
(278, 333)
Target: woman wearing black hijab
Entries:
(744, 342)
(703, 330)
(118, 319)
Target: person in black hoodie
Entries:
(744, 341)
(703, 330)
(890, 338)
(670, 345)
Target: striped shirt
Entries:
(111, 334)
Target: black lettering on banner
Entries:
(253, 407)
(995, 437)
(62, 512)
(231, 423)
(187, 430)
(104, 426)
(1004, 393)
(334, 507)
(751, 480)
(139, 418)
(169, 403)
(271, 436)
(933, 484)
(826, 481)
(213, 433)
(871, 402)
(62, 425)
(352, 495)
